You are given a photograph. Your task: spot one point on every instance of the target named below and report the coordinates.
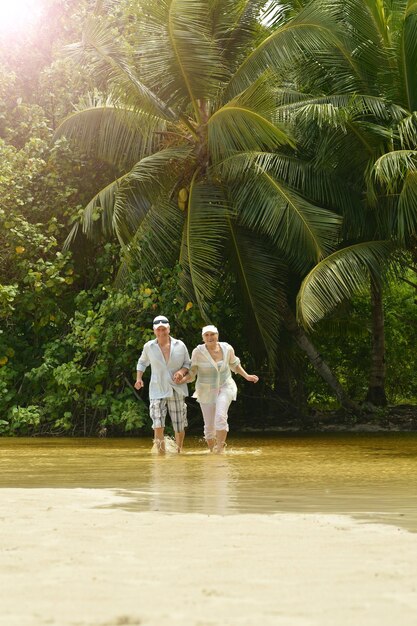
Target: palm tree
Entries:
(359, 87)
(207, 173)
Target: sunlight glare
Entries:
(15, 15)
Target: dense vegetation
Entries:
(249, 164)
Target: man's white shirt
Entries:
(161, 384)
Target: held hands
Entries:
(252, 378)
(178, 378)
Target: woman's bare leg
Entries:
(221, 441)
(208, 411)
(211, 443)
(222, 426)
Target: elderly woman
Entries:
(213, 363)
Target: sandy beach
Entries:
(77, 557)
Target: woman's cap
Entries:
(160, 320)
(209, 329)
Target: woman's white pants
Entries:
(215, 414)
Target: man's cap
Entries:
(160, 320)
(209, 329)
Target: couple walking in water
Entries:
(211, 364)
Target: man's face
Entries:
(161, 332)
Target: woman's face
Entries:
(210, 339)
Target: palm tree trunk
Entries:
(376, 389)
(316, 360)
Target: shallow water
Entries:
(371, 477)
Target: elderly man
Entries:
(169, 361)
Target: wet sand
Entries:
(78, 557)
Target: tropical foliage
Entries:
(378, 41)
(227, 161)
(208, 167)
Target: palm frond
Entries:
(97, 217)
(391, 168)
(148, 182)
(101, 50)
(407, 130)
(408, 52)
(157, 241)
(123, 274)
(367, 23)
(321, 186)
(313, 33)
(235, 27)
(131, 206)
(275, 14)
(356, 125)
(338, 277)
(370, 19)
(304, 231)
(119, 208)
(363, 32)
(112, 133)
(181, 60)
(323, 114)
(355, 105)
(406, 216)
(261, 276)
(203, 242)
(153, 169)
(245, 123)
(71, 237)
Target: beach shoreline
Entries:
(77, 557)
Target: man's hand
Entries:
(177, 377)
(138, 384)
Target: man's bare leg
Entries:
(179, 439)
(159, 440)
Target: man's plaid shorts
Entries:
(177, 410)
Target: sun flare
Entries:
(15, 15)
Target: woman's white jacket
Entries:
(211, 377)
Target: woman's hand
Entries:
(252, 378)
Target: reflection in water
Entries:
(368, 476)
(186, 485)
